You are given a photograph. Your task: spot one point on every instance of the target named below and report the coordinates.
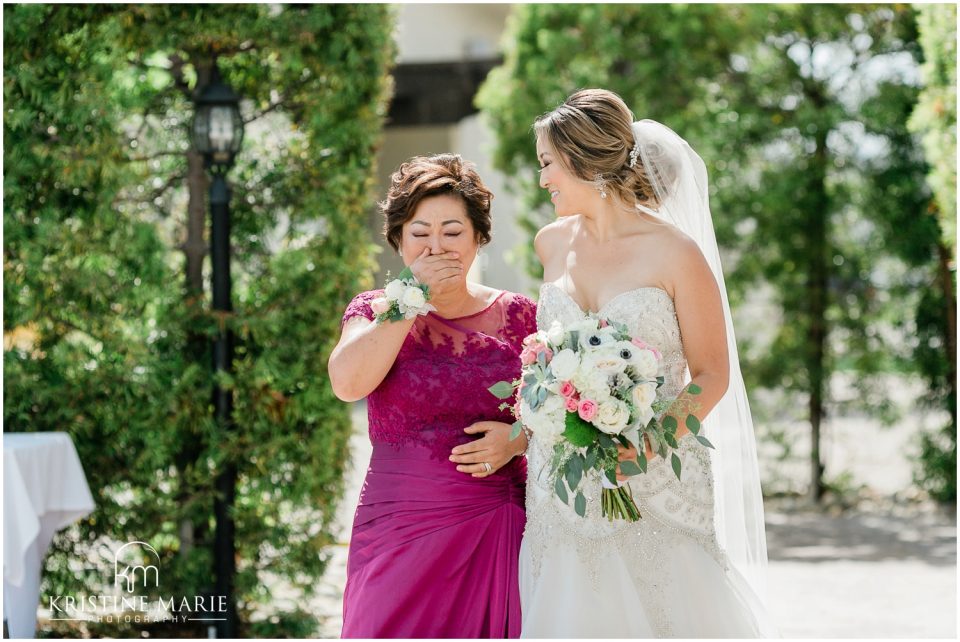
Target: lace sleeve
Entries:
(360, 306)
(521, 320)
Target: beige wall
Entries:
(448, 32)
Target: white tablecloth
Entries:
(44, 490)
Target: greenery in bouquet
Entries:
(587, 389)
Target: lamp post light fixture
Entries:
(217, 134)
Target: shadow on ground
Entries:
(928, 536)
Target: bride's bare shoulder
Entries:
(552, 238)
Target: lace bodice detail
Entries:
(438, 383)
(669, 508)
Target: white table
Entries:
(44, 490)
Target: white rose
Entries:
(395, 290)
(645, 364)
(565, 364)
(644, 395)
(612, 417)
(413, 297)
(609, 361)
(556, 333)
(596, 386)
(547, 422)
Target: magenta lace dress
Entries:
(434, 552)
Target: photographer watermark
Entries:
(136, 570)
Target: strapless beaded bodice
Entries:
(668, 506)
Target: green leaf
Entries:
(611, 474)
(501, 390)
(629, 468)
(604, 439)
(578, 432)
(704, 441)
(670, 439)
(515, 430)
(574, 472)
(693, 424)
(580, 504)
(670, 423)
(561, 490)
(675, 462)
(694, 389)
(590, 459)
(642, 461)
(406, 273)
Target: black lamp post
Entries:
(217, 134)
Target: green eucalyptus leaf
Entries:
(573, 473)
(560, 490)
(670, 439)
(642, 461)
(580, 504)
(675, 462)
(703, 440)
(501, 390)
(670, 423)
(630, 468)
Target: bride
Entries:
(634, 243)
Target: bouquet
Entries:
(585, 389)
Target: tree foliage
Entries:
(817, 186)
(935, 118)
(107, 339)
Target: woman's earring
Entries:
(600, 184)
(400, 252)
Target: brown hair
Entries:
(592, 133)
(424, 176)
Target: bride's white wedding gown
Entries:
(663, 576)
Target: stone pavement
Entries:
(888, 572)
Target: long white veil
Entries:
(679, 180)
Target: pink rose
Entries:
(528, 356)
(646, 346)
(379, 305)
(572, 404)
(535, 348)
(603, 323)
(587, 409)
(567, 389)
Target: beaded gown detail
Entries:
(433, 551)
(662, 576)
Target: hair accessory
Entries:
(634, 153)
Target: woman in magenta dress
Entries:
(436, 535)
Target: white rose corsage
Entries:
(403, 298)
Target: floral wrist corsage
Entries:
(403, 298)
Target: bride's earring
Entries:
(400, 252)
(600, 185)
